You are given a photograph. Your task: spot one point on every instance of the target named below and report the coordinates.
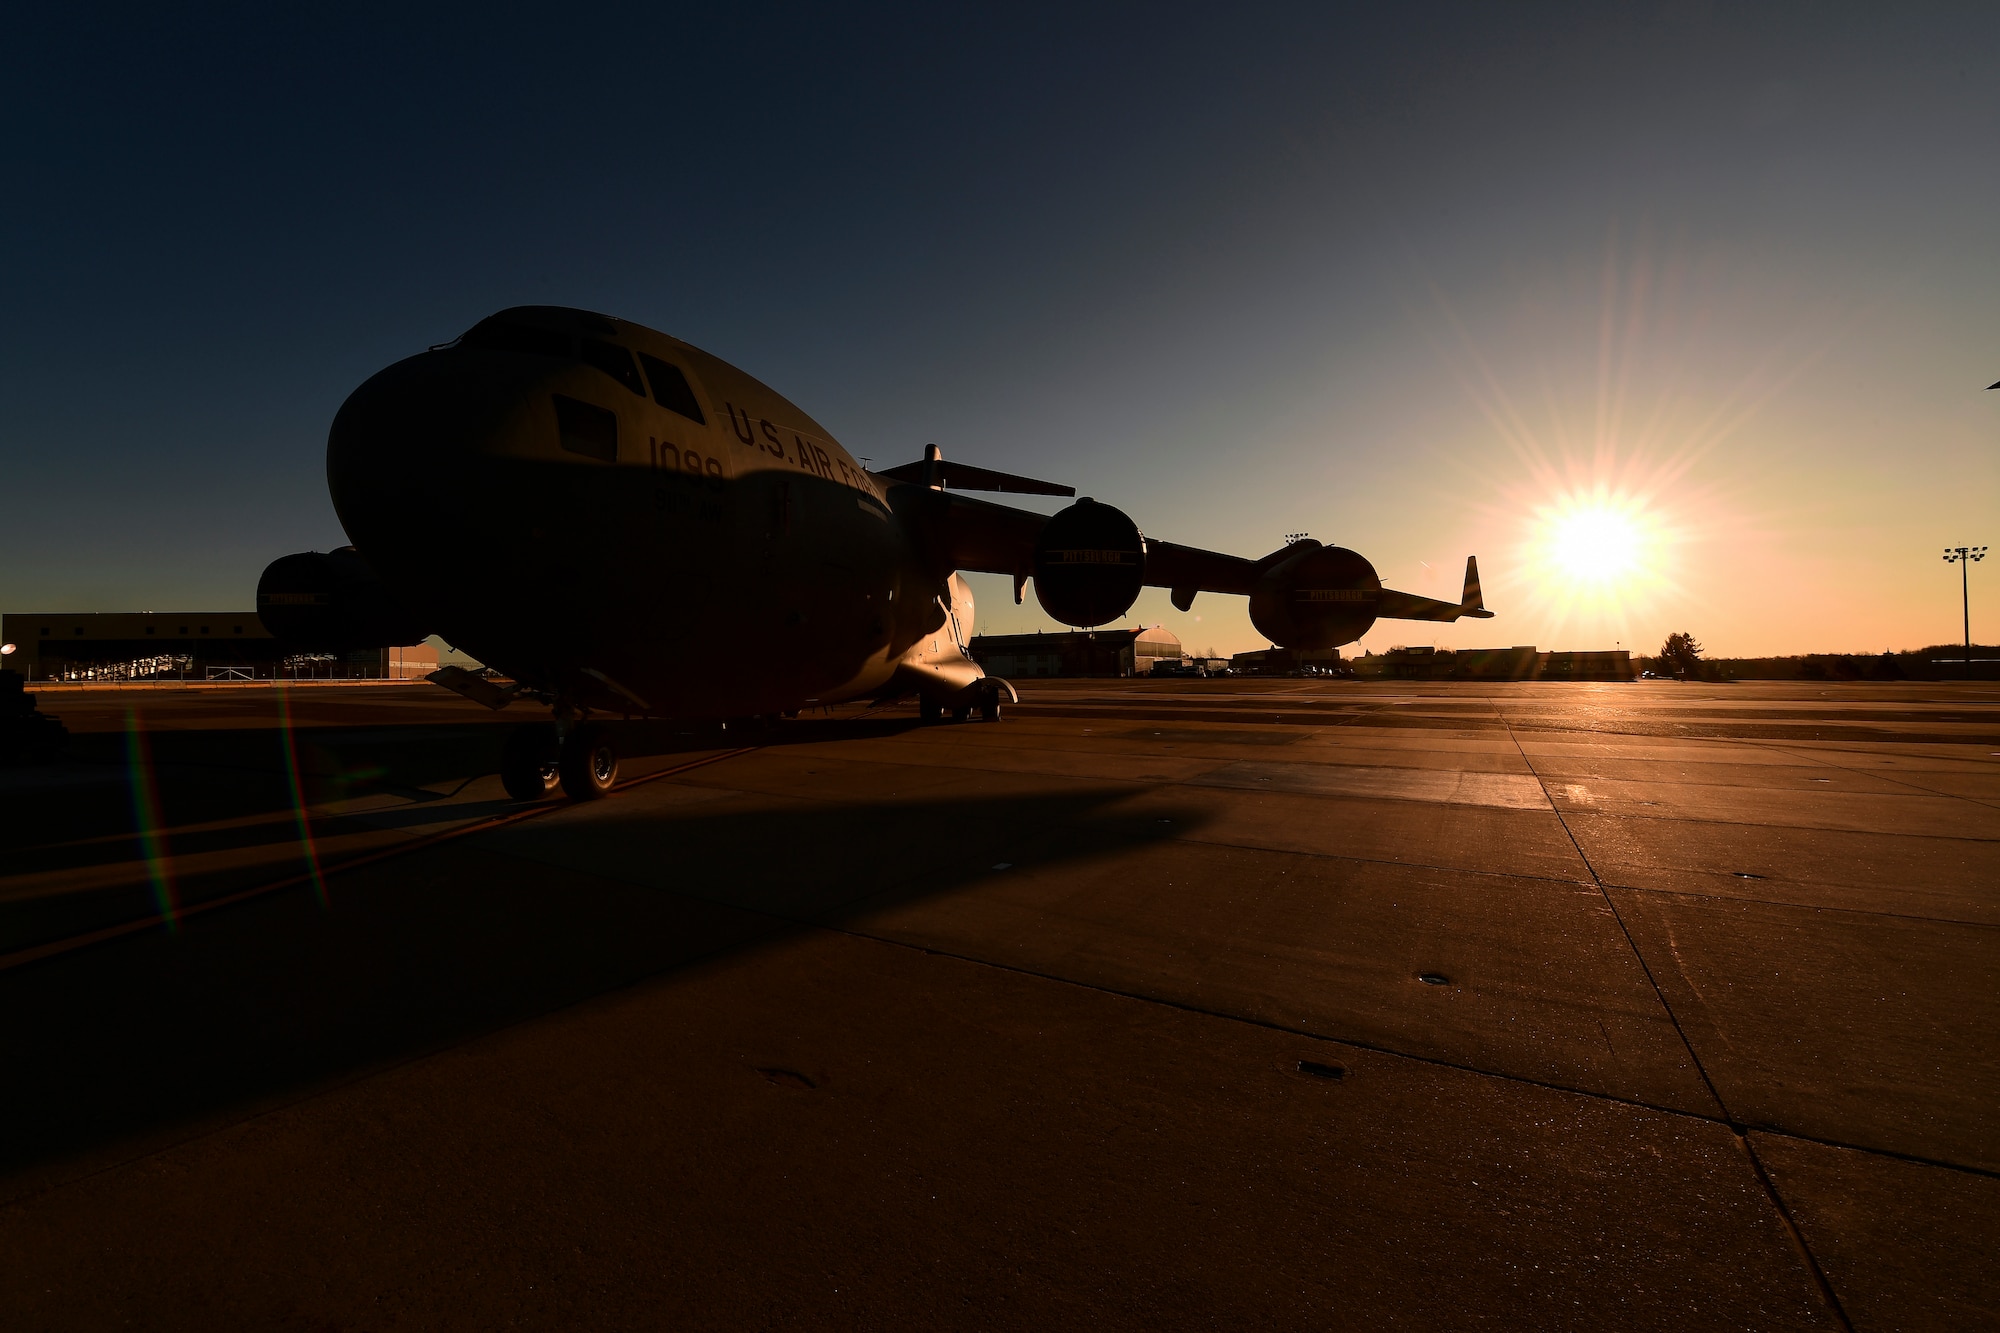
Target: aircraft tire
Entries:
(589, 763)
(528, 768)
(961, 714)
(989, 707)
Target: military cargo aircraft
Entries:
(627, 526)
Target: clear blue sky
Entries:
(1427, 280)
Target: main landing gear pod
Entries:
(985, 696)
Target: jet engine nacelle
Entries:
(1089, 564)
(332, 601)
(1321, 597)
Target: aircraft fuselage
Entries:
(677, 539)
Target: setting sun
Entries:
(1598, 544)
(1596, 554)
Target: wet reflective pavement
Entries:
(1159, 1003)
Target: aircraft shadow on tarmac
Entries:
(228, 791)
(116, 1044)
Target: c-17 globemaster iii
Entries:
(627, 526)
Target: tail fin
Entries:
(1471, 602)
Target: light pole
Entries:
(1963, 556)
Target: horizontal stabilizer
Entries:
(964, 477)
(1395, 605)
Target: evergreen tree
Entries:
(1682, 656)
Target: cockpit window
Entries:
(614, 361)
(495, 335)
(586, 429)
(670, 389)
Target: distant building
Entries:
(1521, 662)
(1104, 652)
(185, 645)
(1282, 661)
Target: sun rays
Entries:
(1619, 420)
(1596, 554)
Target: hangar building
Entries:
(184, 645)
(1522, 662)
(1104, 652)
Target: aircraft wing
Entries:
(977, 535)
(1188, 570)
(1169, 565)
(982, 537)
(988, 538)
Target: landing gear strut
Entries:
(528, 762)
(588, 763)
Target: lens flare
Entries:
(146, 818)
(299, 813)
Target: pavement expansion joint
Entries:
(1791, 1228)
(1899, 778)
(1669, 817)
(1830, 909)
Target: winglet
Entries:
(1472, 602)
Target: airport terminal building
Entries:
(1104, 652)
(185, 645)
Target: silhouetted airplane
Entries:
(626, 525)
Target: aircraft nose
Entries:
(410, 464)
(413, 445)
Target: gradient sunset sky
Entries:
(1704, 296)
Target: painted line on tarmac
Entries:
(36, 953)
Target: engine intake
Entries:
(1321, 597)
(1090, 563)
(332, 601)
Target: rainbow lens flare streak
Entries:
(146, 817)
(298, 793)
